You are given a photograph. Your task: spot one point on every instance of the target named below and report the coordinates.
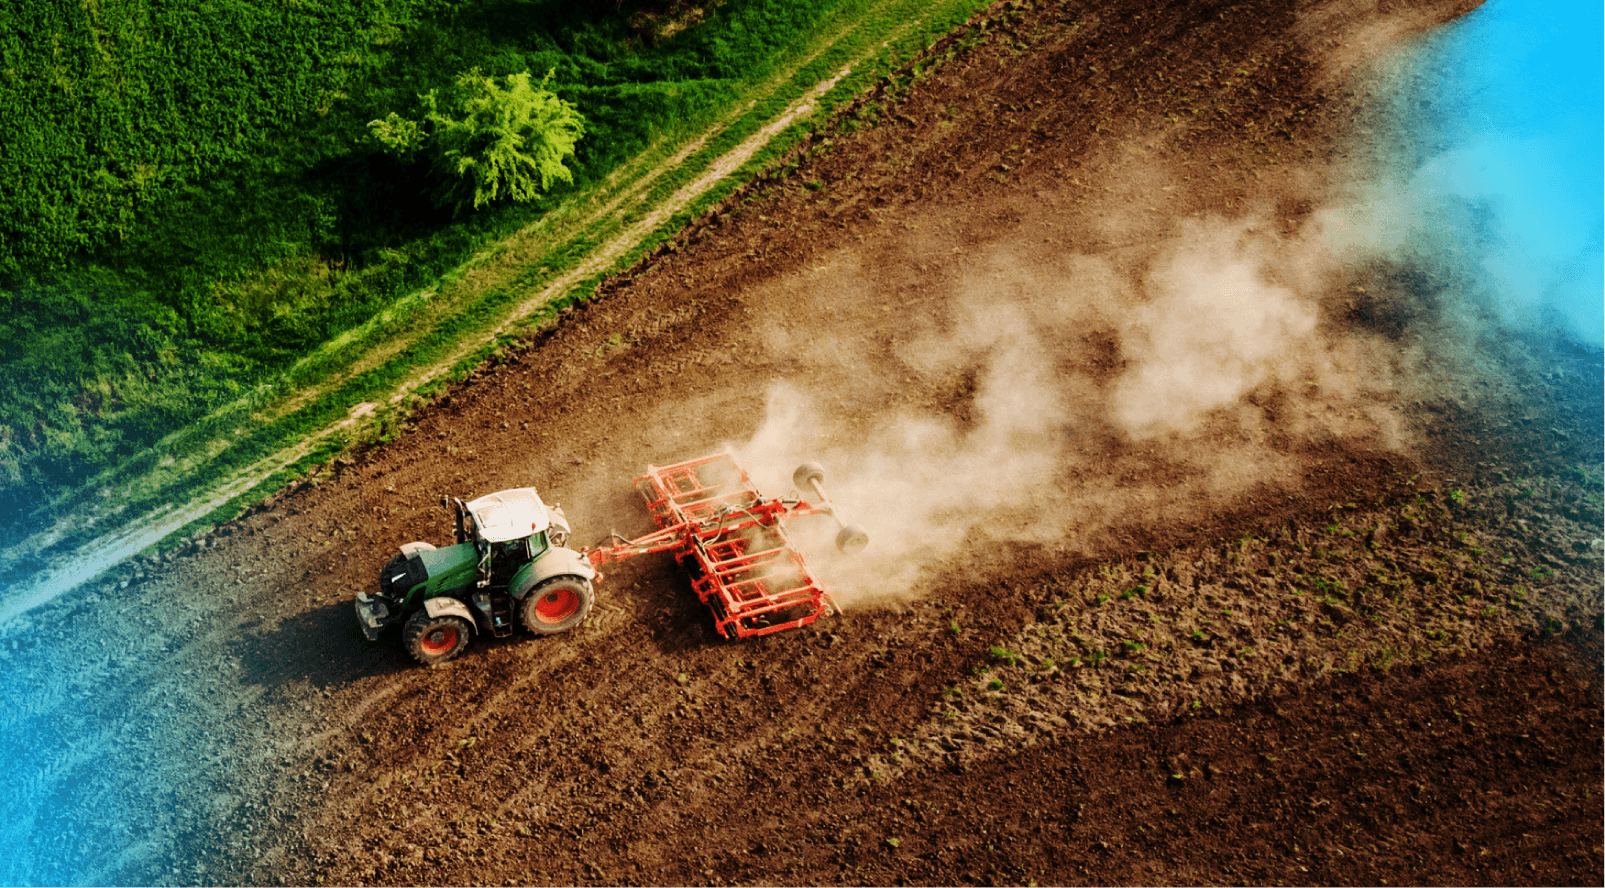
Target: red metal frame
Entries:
(731, 543)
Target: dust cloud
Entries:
(1096, 364)
(1070, 394)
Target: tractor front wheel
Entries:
(557, 605)
(432, 640)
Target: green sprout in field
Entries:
(1004, 655)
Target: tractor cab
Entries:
(510, 565)
(507, 529)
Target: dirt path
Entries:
(979, 309)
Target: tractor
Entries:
(510, 566)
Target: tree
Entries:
(488, 141)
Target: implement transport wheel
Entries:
(806, 474)
(433, 640)
(557, 605)
(852, 539)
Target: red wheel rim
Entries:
(557, 606)
(439, 640)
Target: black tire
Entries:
(556, 605)
(432, 640)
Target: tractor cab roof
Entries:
(509, 515)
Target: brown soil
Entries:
(1339, 627)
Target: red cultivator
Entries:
(732, 543)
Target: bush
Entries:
(488, 141)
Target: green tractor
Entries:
(510, 566)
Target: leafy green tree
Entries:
(489, 141)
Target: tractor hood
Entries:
(428, 572)
(509, 515)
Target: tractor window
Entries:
(522, 551)
(538, 545)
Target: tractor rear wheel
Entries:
(557, 605)
(432, 640)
